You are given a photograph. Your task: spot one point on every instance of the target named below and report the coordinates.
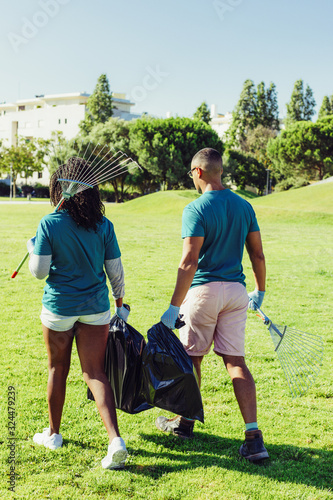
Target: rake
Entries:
(102, 165)
(300, 355)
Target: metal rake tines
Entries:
(300, 354)
(101, 164)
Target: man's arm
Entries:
(186, 270)
(254, 248)
(257, 258)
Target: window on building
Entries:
(65, 120)
(21, 108)
(40, 175)
(59, 121)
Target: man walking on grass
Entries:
(211, 291)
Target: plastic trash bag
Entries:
(170, 377)
(123, 366)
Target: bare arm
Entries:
(254, 248)
(187, 267)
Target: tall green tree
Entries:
(202, 113)
(99, 105)
(301, 105)
(272, 114)
(326, 108)
(244, 116)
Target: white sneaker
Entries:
(52, 442)
(117, 454)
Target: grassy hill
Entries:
(314, 198)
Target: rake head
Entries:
(300, 355)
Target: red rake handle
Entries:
(20, 265)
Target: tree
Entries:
(165, 147)
(244, 170)
(99, 105)
(202, 113)
(304, 149)
(272, 117)
(309, 104)
(301, 105)
(326, 107)
(24, 159)
(60, 150)
(244, 116)
(256, 144)
(255, 107)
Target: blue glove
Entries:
(122, 313)
(31, 244)
(170, 316)
(256, 298)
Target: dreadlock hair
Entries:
(85, 207)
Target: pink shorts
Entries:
(215, 312)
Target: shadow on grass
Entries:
(311, 467)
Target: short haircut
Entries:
(209, 160)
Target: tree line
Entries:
(295, 151)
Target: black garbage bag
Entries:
(170, 379)
(123, 366)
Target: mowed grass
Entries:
(298, 242)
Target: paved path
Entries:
(14, 202)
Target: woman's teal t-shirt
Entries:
(76, 284)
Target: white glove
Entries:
(255, 299)
(122, 313)
(170, 316)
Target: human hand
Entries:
(122, 312)
(170, 316)
(31, 244)
(256, 298)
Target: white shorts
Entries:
(60, 323)
(215, 313)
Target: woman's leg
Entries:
(59, 348)
(91, 343)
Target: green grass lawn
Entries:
(297, 231)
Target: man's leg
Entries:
(253, 448)
(244, 386)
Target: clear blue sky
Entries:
(166, 55)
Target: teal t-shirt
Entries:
(76, 284)
(224, 219)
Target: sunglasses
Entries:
(190, 174)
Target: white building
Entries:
(44, 114)
(220, 123)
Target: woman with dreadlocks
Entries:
(72, 248)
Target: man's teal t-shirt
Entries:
(76, 284)
(224, 219)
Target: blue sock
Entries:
(252, 426)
